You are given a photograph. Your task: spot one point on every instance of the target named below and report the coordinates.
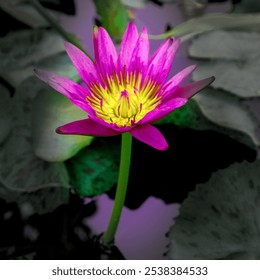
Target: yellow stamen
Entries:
(123, 101)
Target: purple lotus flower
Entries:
(124, 92)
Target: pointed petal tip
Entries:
(164, 148)
(192, 67)
(175, 40)
(144, 31)
(59, 130)
(35, 71)
(68, 46)
(42, 74)
(151, 136)
(211, 79)
(131, 24)
(95, 29)
(187, 91)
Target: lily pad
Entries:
(22, 174)
(94, 170)
(5, 113)
(58, 63)
(220, 220)
(235, 62)
(51, 110)
(26, 47)
(229, 112)
(238, 46)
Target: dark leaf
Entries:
(22, 48)
(220, 219)
(5, 113)
(24, 177)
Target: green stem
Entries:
(124, 168)
(65, 35)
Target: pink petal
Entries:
(105, 52)
(177, 79)
(140, 54)
(75, 92)
(189, 90)
(127, 45)
(175, 43)
(150, 136)
(82, 62)
(86, 127)
(163, 110)
(161, 62)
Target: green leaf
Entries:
(51, 110)
(209, 22)
(22, 48)
(24, 12)
(238, 55)
(94, 170)
(5, 113)
(114, 17)
(247, 6)
(220, 220)
(24, 177)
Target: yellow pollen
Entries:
(123, 101)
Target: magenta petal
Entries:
(139, 60)
(127, 45)
(150, 136)
(161, 61)
(175, 43)
(83, 64)
(105, 53)
(178, 78)
(163, 110)
(75, 92)
(189, 90)
(86, 127)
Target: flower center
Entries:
(124, 100)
